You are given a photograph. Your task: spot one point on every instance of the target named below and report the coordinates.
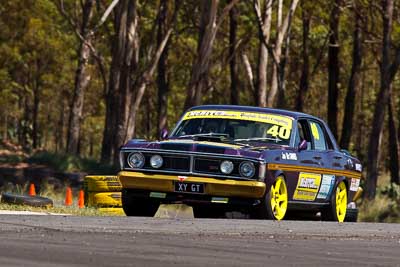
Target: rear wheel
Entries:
(338, 206)
(351, 215)
(274, 205)
(134, 206)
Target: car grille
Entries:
(191, 164)
(171, 163)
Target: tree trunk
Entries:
(162, 76)
(35, 114)
(278, 69)
(209, 26)
(233, 13)
(354, 83)
(148, 121)
(82, 79)
(264, 19)
(129, 93)
(249, 74)
(303, 87)
(36, 85)
(208, 30)
(381, 102)
(141, 84)
(60, 126)
(118, 97)
(24, 129)
(393, 145)
(128, 49)
(333, 67)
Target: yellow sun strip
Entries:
(314, 130)
(280, 120)
(294, 168)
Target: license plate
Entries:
(189, 188)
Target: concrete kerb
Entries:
(174, 211)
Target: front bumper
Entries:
(212, 186)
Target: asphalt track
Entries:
(29, 240)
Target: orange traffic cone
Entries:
(81, 200)
(32, 191)
(68, 197)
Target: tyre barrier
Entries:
(102, 184)
(112, 211)
(104, 199)
(104, 193)
(33, 201)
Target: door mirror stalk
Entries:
(303, 145)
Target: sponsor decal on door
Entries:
(327, 183)
(307, 186)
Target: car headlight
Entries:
(156, 161)
(247, 169)
(136, 160)
(226, 167)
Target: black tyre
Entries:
(133, 206)
(338, 205)
(33, 201)
(275, 203)
(351, 215)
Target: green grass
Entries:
(381, 209)
(386, 205)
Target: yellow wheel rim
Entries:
(279, 198)
(341, 201)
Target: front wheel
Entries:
(134, 206)
(338, 206)
(274, 205)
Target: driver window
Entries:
(303, 133)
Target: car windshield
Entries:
(236, 126)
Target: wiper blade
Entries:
(205, 134)
(276, 139)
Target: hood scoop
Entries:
(204, 148)
(176, 146)
(210, 149)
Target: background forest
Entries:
(81, 77)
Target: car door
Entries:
(315, 181)
(304, 188)
(331, 160)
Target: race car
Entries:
(260, 161)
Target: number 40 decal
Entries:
(278, 131)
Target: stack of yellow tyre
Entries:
(104, 193)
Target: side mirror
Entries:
(302, 145)
(346, 152)
(164, 134)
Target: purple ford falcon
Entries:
(264, 162)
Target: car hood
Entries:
(252, 150)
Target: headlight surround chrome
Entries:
(226, 167)
(156, 161)
(247, 169)
(136, 160)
